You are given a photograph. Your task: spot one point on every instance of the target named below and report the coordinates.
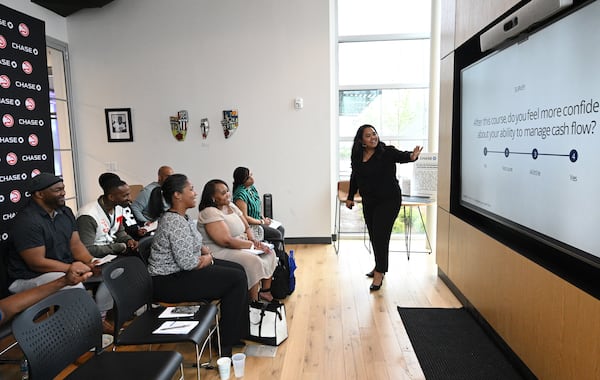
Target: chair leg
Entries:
(9, 361)
(218, 335)
(181, 369)
(8, 348)
(338, 211)
(212, 331)
(5, 350)
(366, 239)
(198, 361)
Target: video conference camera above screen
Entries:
(519, 21)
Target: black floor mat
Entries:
(450, 344)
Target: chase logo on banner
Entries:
(25, 133)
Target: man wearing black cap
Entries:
(45, 240)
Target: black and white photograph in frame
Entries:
(118, 124)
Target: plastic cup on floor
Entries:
(224, 365)
(239, 361)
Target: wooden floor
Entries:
(337, 328)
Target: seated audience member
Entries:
(246, 197)
(16, 303)
(227, 233)
(184, 271)
(101, 222)
(141, 202)
(131, 225)
(45, 241)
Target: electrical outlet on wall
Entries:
(111, 166)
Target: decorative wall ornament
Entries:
(204, 128)
(179, 125)
(230, 122)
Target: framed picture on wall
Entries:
(118, 124)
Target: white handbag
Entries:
(268, 324)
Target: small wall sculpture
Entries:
(230, 122)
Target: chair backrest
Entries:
(130, 286)
(343, 187)
(134, 190)
(268, 205)
(57, 330)
(144, 247)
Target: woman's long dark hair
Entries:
(208, 193)
(173, 184)
(240, 175)
(357, 148)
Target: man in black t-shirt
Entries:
(45, 240)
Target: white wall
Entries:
(158, 57)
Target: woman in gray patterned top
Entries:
(184, 271)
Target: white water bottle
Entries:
(24, 369)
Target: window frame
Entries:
(374, 86)
(74, 197)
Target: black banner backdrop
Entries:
(25, 133)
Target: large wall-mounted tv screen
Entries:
(528, 118)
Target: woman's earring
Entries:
(213, 200)
(364, 145)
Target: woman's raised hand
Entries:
(415, 153)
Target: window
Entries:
(64, 159)
(383, 80)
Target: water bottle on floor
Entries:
(24, 369)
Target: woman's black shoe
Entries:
(374, 287)
(370, 274)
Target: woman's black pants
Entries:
(225, 281)
(380, 215)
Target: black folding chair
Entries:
(130, 285)
(59, 329)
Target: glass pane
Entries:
(72, 203)
(63, 166)
(397, 113)
(402, 170)
(352, 222)
(56, 74)
(360, 17)
(59, 117)
(345, 149)
(60, 123)
(403, 62)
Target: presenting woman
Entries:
(228, 235)
(374, 175)
(184, 271)
(246, 197)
